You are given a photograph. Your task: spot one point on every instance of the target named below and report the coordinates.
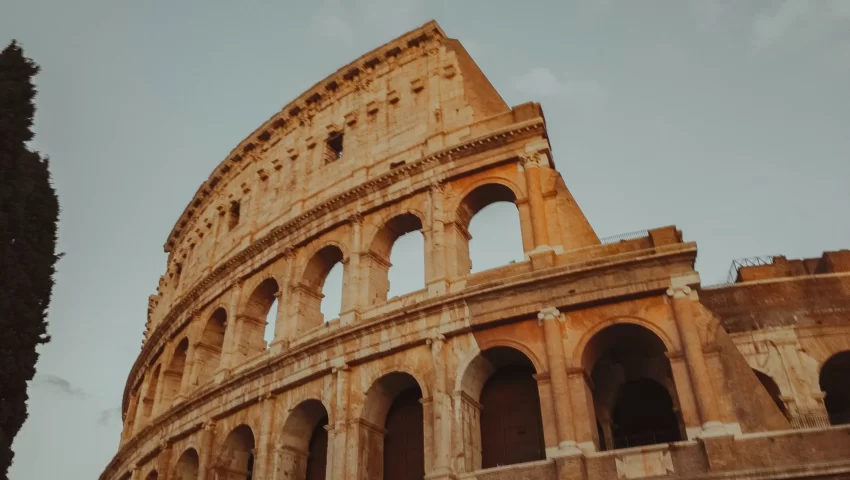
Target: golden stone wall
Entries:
(412, 137)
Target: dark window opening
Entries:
(233, 215)
(643, 415)
(333, 148)
(834, 384)
(317, 453)
(404, 444)
(511, 424)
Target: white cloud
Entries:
(344, 22)
(769, 28)
(708, 13)
(541, 82)
(329, 26)
(800, 20)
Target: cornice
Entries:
(222, 271)
(352, 76)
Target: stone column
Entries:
(206, 455)
(188, 374)
(436, 269)
(549, 318)
(441, 412)
(230, 331)
(284, 323)
(354, 279)
(681, 300)
(341, 425)
(163, 462)
(264, 440)
(531, 164)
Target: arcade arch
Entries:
(634, 396)
(209, 347)
(501, 409)
(309, 296)
(396, 239)
(835, 384)
(236, 456)
(256, 318)
(305, 440)
(393, 429)
(173, 377)
(188, 465)
(488, 219)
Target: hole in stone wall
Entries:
(407, 257)
(496, 237)
(271, 321)
(332, 291)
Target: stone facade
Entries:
(590, 359)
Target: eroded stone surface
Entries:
(412, 137)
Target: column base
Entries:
(278, 346)
(349, 317)
(568, 448)
(442, 474)
(221, 375)
(438, 288)
(716, 429)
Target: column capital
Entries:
(531, 160)
(678, 291)
(209, 425)
(436, 338)
(550, 313)
(343, 367)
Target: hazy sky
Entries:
(728, 119)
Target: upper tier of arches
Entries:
(411, 97)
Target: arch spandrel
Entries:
(578, 346)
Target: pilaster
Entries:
(549, 318)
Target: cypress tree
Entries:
(29, 211)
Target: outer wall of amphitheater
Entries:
(590, 359)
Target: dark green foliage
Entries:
(29, 211)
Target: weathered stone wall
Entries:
(427, 144)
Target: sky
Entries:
(730, 120)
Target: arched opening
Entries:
(643, 415)
(310, 306)
(502, 421)
(490, 233)
(148, 402)
(208, 350)
(634, 397)
(152, 475)
(396, 260)
(305, 441)
(236, 458)
(130, 417)
(253, 322)
(773, 389)
(396, 443)
(511, 423)
(271, 323)
(331, 306)
(187, 466)
(174, 375)
(835, 384)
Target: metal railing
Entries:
(624, 236)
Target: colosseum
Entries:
(588, 359)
